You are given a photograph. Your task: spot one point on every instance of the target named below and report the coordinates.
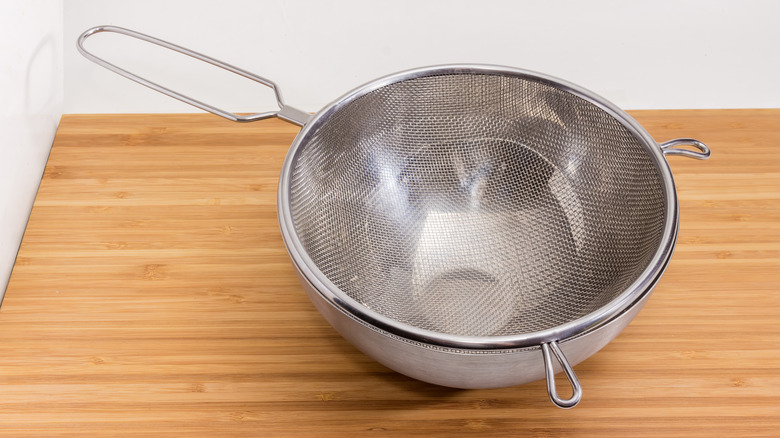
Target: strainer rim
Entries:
(338, 298)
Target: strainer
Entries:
(454, 221)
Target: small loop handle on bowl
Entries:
(550, 373)
(669, 148)
(285, 112)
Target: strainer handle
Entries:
(285, 112)
(669, 148)
(550, 373)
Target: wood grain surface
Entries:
(152, 296)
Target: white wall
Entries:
(31, 94)
(639, 54)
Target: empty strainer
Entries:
(453, 221)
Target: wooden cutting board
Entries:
(152, 296)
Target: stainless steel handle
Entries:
(668, 148)
(550, 373)
(285, 112)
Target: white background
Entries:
(30, 108)
(639, 54)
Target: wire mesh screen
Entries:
(477, 204)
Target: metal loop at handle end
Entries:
(288, 113)
(576, 395)
(670, 148)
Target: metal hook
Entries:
(669, 148)
(550, 372)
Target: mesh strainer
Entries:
(467, 210)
